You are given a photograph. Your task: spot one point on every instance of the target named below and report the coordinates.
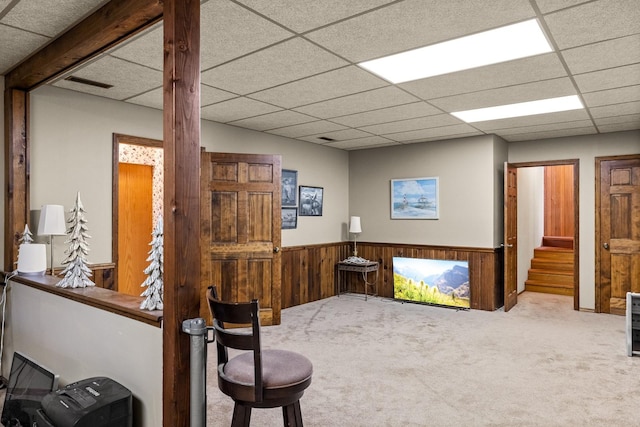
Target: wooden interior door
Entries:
(240, 233)
(510, 245)
(618, 229)
(135, 224)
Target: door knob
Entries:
(605, 245)
(276, 250)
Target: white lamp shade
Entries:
(32, 259)
(52, 222)
(355, 225)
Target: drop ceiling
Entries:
(289, 67)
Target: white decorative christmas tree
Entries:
(154, 271)
(27, 237)
(76, 273)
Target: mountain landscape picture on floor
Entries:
(431, 281)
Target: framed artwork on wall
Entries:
(289, 187)
(289, 218)
(415, 198)
(310, 201)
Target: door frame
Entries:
(597, 231)
(118, 139)
(576, 216)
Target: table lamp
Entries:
(355, 229)
(52, 223)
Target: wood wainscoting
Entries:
(308, 271)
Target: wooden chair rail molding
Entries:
(308, 271)
(99, 296)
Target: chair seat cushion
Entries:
(280, 368)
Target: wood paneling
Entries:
(558, 201)
(308, 272)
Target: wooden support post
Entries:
(16, 169)
(181, 200)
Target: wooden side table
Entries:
(363, 268)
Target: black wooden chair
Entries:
(255, 378)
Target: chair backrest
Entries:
(237, 325)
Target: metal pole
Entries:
(198, 358)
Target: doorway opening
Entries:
(137, 205)
(548, 228)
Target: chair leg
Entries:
(241, 415)
(292, 415)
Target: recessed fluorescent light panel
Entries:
(542, 106)
(490, 47)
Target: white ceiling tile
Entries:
(589, 130)
(619, 127)
(49, 17)
(538, 119)
(368, 142)
(442, 137)
(339, 135)
(612, 96)
(506, 95)
(373, 99)
(306, 129)
(607, 54)
(332, 84)
(147, 48)
(412, 124)
(282, 63)
(236, 109)
(414, 23)
(16, 45)
(546, 127)
(152, 99)
(593, 22)
(612, 78)
(632, 118)
(386, 115)
(623, 109)
(547, 6)
(541, 67)
(228, 31)
(301, 16)
(274, 120)
(461, 129)
(208, 95)
(128, 79)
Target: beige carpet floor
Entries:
(383, 363)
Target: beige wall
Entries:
(71, 140)
(585, 148)
(530, 218)
(468, 177)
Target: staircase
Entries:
(551, 269)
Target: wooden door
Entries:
(617, 232)
(510, 245)
(240, 234)
(135, 224)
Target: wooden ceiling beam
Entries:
(106, 27)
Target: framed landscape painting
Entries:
(289, 218)
(415, 198)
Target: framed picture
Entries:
(289, 186)
(289, 218)
(310, 201)
(414, 198)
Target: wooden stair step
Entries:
(551, 252)
(545, 276)
(558, 241)
(535, 286)
(551, 264)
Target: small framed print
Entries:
(289, 187)
(289, 218)
(415, 198)
(311, 201)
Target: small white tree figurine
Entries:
(154, 271)
(76, 273)
(27, 237)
